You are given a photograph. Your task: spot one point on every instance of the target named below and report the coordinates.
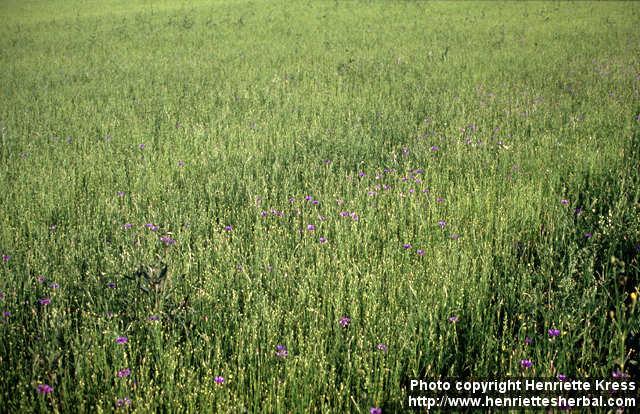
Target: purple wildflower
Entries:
(5, 258)
(311, 227)
(361, 174)
(375, 410)
(121, 194)
(453, 319)
(382, 347)
(420, 252)
(127, 226)
(440, 200)
(40, 279)
(435, 148)
(124, 373)
(354, 216)
(442, 224)
(292, 200)
(122, 340)
(153, 318)
(561, 377)
(54, 285)
(344, 321)
(564, 202)
(111, 285)
(141, 146)
(553, 332)
(44, 389)
(344, 214)
(527, 340)
(281, 351)
(168, 241)
(406, 246)
(44, 301)
(308, 198)
(228, 228)
(588, 235)
(322, 240)
(122, 402)
(578, 211)
(218, 380)
(327, 161)
(151, 226)
(315, 202)
(264, 213)
(526, 363)
(6, 314)
(619, 374)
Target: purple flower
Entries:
(619, 374)
(292, 200)
(361, 174)
(442, 224)
(344, 321)
(44, 389)
(315, 202)
(553, 332)
(168, 241)
(322, 240)
(218, 380)
(264, 213)
(151, 226)
(561, 377)
(382, 347)
(435, 148)
(44, 301)
(440, 200)
(588, 235)
(564, 202)
(124, 373)
(181, 163)
(228, 228)
(40, 279)
(121, 402)
(327, 161)
(420, 252)
(111, 285)
(526, 363)
(127, 226)
(54, 285)
(527, 340)
(281, 351)
(453, 319)
(354, 216)
(122, 340)
(578, 211)
(311, 227)
(141, 146)
(344, 214)
(5, 258)
(308, 198)
(1, 295)
(406, 246)
(121, 194)
(153, 318)
(375, 410)
(6, 314)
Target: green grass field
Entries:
(292, 207)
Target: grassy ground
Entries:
(225, 183)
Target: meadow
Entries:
(292, 207)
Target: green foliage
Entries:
(456, 127)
